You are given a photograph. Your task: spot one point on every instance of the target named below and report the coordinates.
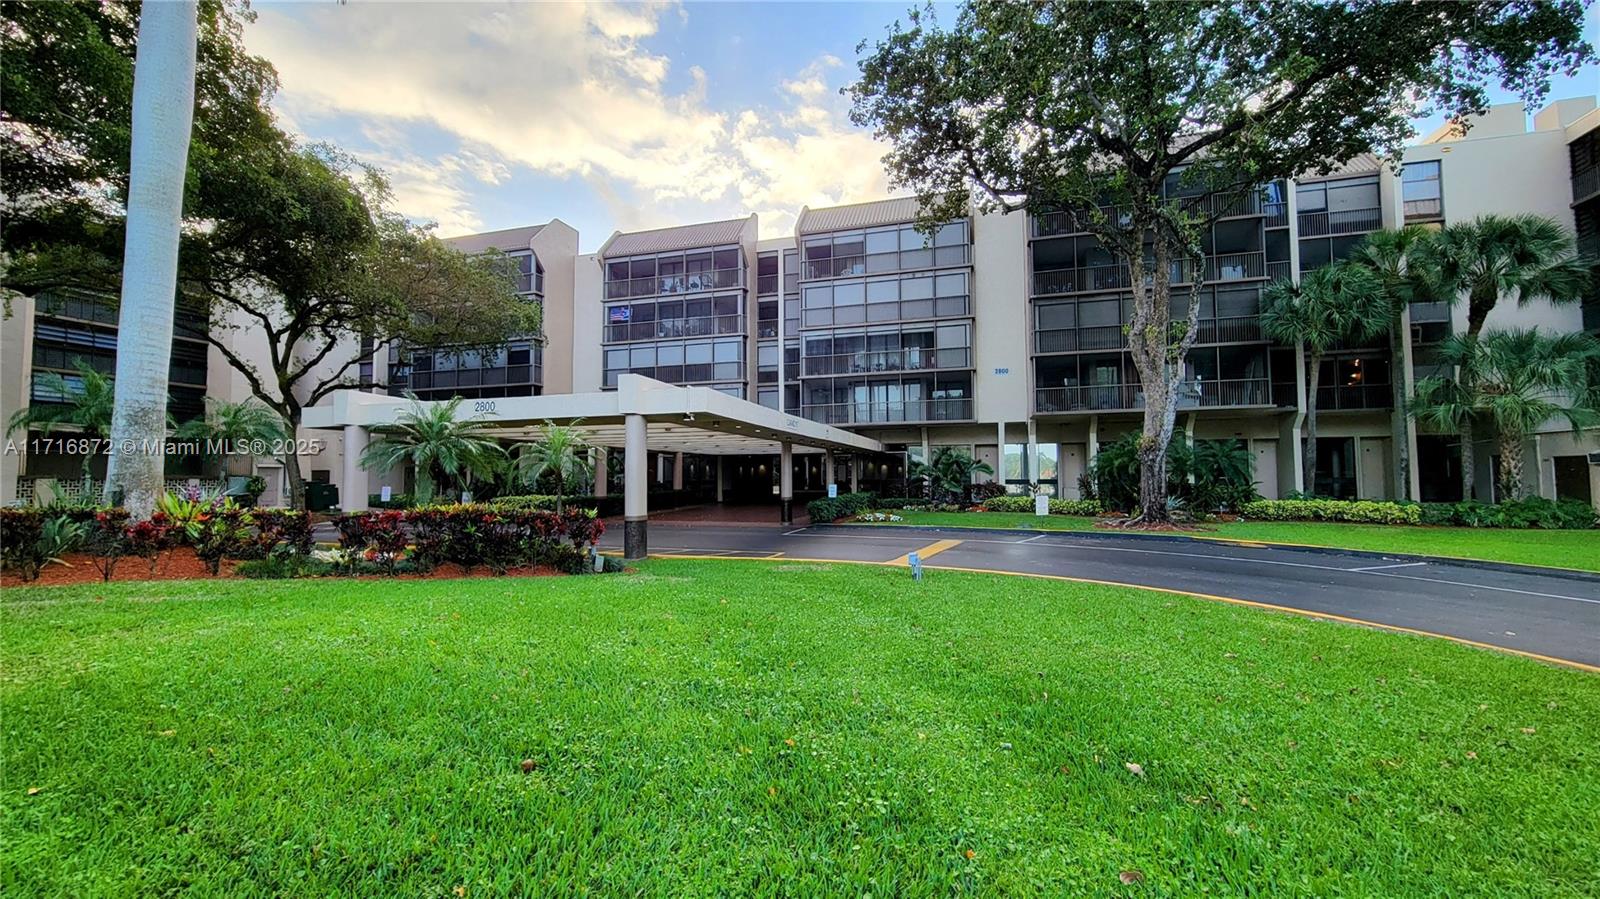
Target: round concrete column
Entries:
(354, 490)
(635, 489)
(786, 483)
(600, 478)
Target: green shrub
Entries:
(282, 566)
(1353, 511)
(20, 549)
(845, 505)
(1023, 505)
(605, 506)
(396, 501)
(1533, 512)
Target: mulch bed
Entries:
(173, 565)
(182, 564)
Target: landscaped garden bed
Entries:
(198, 537)
(720, 727)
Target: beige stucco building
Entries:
(1001, 334)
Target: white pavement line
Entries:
(1381, 567)
(793, 532)
(1030, 539)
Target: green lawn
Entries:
(1562, 549)
(734, 728)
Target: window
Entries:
(1422, 191)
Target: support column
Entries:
(354, 489)
(600, 478)
(855, 473)
(827, 469)
(677, 471)
(786, 483)
(719, 479)
(635, 490)
(1030, 469)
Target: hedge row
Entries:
(845, 505)
(1533, 512)
(492, 535)
(1350, 511)
(1087, 508)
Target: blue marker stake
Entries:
(916, 566)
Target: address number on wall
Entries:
(483, 406)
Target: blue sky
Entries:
(494, 115)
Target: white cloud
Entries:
(565, 90)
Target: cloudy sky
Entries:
(608, 117)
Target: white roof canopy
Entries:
(678, 419)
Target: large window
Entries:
(1339, 206)
(904, 348)
(886, 299)
(516, 369)
(941, 396)
(899, 248)
(689, 362)
(1423, 191)
(697, 316)
(672, 273)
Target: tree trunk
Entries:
(1510, 467)
(291, 460)
(1313, 375)
(1160, 371)
(1400, 435)
(1469, 462)
(163, 111)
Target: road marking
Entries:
(1030, 539)
(1233, 600)
(927, 552)
(1225, 558)
(1382, 567)
(793, 532)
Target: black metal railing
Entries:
(889, 412)
(1128, 397)
(1340, 221)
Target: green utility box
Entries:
(321, 497)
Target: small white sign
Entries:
(1041, 505)
(386, 492)
(466, 496)
(833, 491)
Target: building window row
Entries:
(677, 272)
(1227, 315)
(1422, 191)
(942, 396)
(846, 254)
(690, 362)
(688, 317)
(886, 299)
(905, 348)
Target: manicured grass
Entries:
(1562, 549)
(733, 728)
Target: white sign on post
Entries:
(833, 491)
(386, 492)
(1041, 505)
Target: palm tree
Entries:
(1522, 257)
(1515, 381)
(163, 111)
(233, 425)
(1329, 305)
(562, 454)
(950, 471)
(86, 405)
(441, 447)
(1400, 261)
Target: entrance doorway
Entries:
(1336, 467)
(1572, 478)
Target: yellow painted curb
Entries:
(932, 549)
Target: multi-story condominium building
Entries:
(1001, 334)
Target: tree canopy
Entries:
(1127, 118)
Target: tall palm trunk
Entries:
(1478, 307)
(163, 111)
(1510, 474)
(1399, 434)
(1309, 475)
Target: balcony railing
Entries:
(699, 326)
(888, 361)
(1354, 396)
(1238, 329)
(889, 412)
(1114, 276)
(649, 287)
(1423, 210)
(1276, 214)
(1277, 271)
(1585, 184)
(1130, 397)
(1340, 221)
